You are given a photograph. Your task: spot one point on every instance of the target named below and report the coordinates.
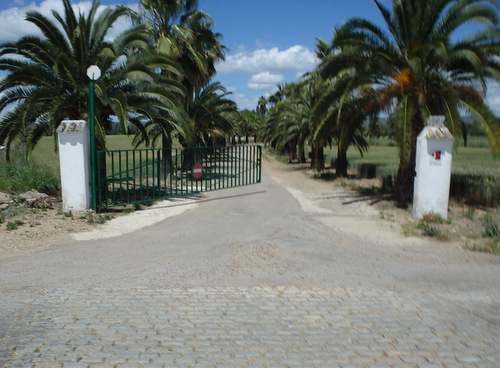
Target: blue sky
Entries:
(270, 41)
(273, 42)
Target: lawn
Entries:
(42, 172)
(471, 166)
(476, 159)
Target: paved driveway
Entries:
(248, 278)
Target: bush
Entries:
(491, 226)
(475, 189)
(22, 176)
(367, 170)
(13, 225)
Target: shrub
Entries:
(475, 189)
(22, 176)
(13, 225)
(367, 170)
(431, 230)
(491, 226)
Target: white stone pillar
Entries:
(74, 159)
(433, 169)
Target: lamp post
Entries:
(94, 73)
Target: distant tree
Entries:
(248, 124)
(213, 115)
(262, 106)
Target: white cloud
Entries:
(292, 60)
(14, 25)
(245, 101)
(264, 81)
(264, 70)
(493, 96)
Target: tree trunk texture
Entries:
(301, 153)
(317, 158)
(166, 156)
(341, 165)
(403, 188)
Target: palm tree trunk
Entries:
(166, 164)
(341, 165)
(317, 158)
(301, 153)
(403, 188)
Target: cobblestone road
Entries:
(251, 327)
(250, 279)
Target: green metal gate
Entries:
(145, 175)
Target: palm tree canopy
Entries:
(47, 76)
(422, 58)
(185, 33)
(212, 114)
(422, 64)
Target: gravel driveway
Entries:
(273, 274)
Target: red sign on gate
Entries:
(197, 170)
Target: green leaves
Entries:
(50, 82)
(418, 67)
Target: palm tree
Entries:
(277, 129)
(185, 33)
(261, 106)
(248, 124)
(212, 114)
(49, 82)
(419, 67)
(339, 110)
(342, 118)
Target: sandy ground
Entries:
(344, 210)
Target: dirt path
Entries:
(307, 234)
(287, 245)
(336, 205)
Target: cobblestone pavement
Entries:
(250, 327)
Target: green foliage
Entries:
(493, 246)
(416, 68)
(100, 219)
(13, 225)
(475, 178)
(90, 218)
(35, 96)
(367, 170)
(434, 219)
(475, 189)
(491, 227)
(431, 231)
(22, 176)
(428, 226)
(469, 213)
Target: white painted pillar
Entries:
(74, 159)
(433, 170)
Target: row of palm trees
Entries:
(425, 62)
(156, 76)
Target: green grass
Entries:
(474, 169)
(42, 171)
(44, 152)
(475, 159)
